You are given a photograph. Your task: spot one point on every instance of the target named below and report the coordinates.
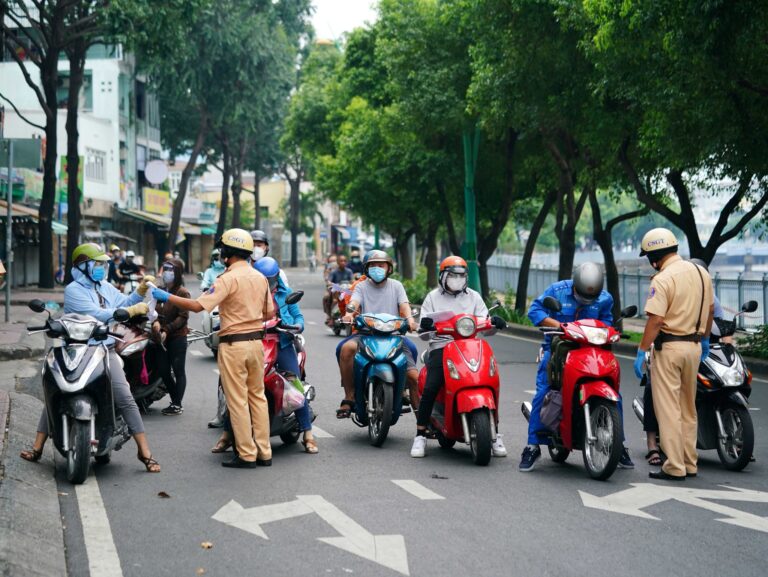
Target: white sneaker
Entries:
(498, 449)
(419, 446)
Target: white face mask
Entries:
(169, 277)
(456, 283)
(258, 252)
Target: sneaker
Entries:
(625, 461)
(531, 454)
(172, 410)
(498, 449)
(419, 447)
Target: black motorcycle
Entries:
(78, 392)
(723, 386)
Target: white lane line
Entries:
(312, 323)
(417, 490)
(754, 408)
(196, 353)
(530, 392)
(320, 433)
(216, 371)
(103, 560)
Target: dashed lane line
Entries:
(216, 371)
(103, 560)
(417, 490)
(196, 353)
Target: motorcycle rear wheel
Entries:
(443, 441)
(602, 457)
(379, 422)
(558, 454)
(79, 454)
(480, 441)
(737, 448)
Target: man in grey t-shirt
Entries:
(378, 295)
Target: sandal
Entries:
(654, 458)
(310, 446)
(221, 446)
(151, 464)
(32, 455)
(345, 413)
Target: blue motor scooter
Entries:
(380, 366)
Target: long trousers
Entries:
(172, 363)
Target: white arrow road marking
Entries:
(321, 433)
(641, 495)
(530, 392)
(196, 353)
(103, 560)
(386, 550)
(417, 490)
(217, 371)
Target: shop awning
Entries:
(21, 213)
(58, 228)
(162, 222)
(343, 232)
(209, 230)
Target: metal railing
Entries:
(732, 289)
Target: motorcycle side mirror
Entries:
(496, 305)
(749, 307)
(553, 304)
(121, 315)
(199, 276)
(294, 297)
(427, 324)
(36, 305)
(628, 312)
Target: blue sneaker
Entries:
(625, 461)
(531, 454)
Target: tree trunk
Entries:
(224, 206)
(76, 55)
(430, 260)
(295, 206)
(602, 236)
(256, 201)
(521, 296)
(173, 232)
(237, 188)
(403, 254)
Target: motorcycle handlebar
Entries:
(43, 328)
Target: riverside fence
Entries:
(733, 289)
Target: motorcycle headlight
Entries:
(452, 370)
(135, 348)
(383, 326)
(466, 327)
(732, 378)
(595, 335)
(79, 330)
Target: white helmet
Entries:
(130, 254)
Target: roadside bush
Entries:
(755, 344)
(416, 288)
(507, 310)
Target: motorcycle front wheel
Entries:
(381, 406)
(480, 441)
(602, 456)
(736, 449)
(558, 453)
(79, 454)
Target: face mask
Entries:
(97, 272)
(377, 274)
(258, 252)
(456, 284)
(169, 277)
(217, 264)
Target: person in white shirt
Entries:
(452, 295)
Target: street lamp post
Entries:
(471, 139)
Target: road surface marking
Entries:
(216, 371)
(196, 353)
(386, 550)
(312, 323)
(642, 495)
(530, 392)
(321, 433)
(417, 490)
(103, 560)
(754, 408)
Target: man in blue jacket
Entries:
(582, 297)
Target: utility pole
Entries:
(471, 138)
(9, 233)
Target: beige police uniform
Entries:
(682, 295)
(244, 302)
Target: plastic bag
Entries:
(151, 303)
(293, 398)
(552, 410)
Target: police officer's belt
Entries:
(667, 338)
(254, 336)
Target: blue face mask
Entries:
(218, 265)
(97, 272)
(377, 274)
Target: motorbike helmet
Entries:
(378, 256)
(114, 248)
(270, 269)
(700, 262)
(235, 242)
(657, 243)
(453, 275)
(215, 253)
(88, 251)
(261, 244)
(588, 281)
(130, 254)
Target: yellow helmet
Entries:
(88, 251)
(237, 239)
(658, 242)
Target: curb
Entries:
(32, 346)
(30, 516)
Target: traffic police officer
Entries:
(680, 308)
(244, 300)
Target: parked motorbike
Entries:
(210, 326)
(78, 393)
(723, 386)
(471, 384)
(139, 353)
(379, 368)
(584, 369)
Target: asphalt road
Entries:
(339, 512)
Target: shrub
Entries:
(416, 288)
(756, 344)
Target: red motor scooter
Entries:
(466, 409)
(585, 371)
